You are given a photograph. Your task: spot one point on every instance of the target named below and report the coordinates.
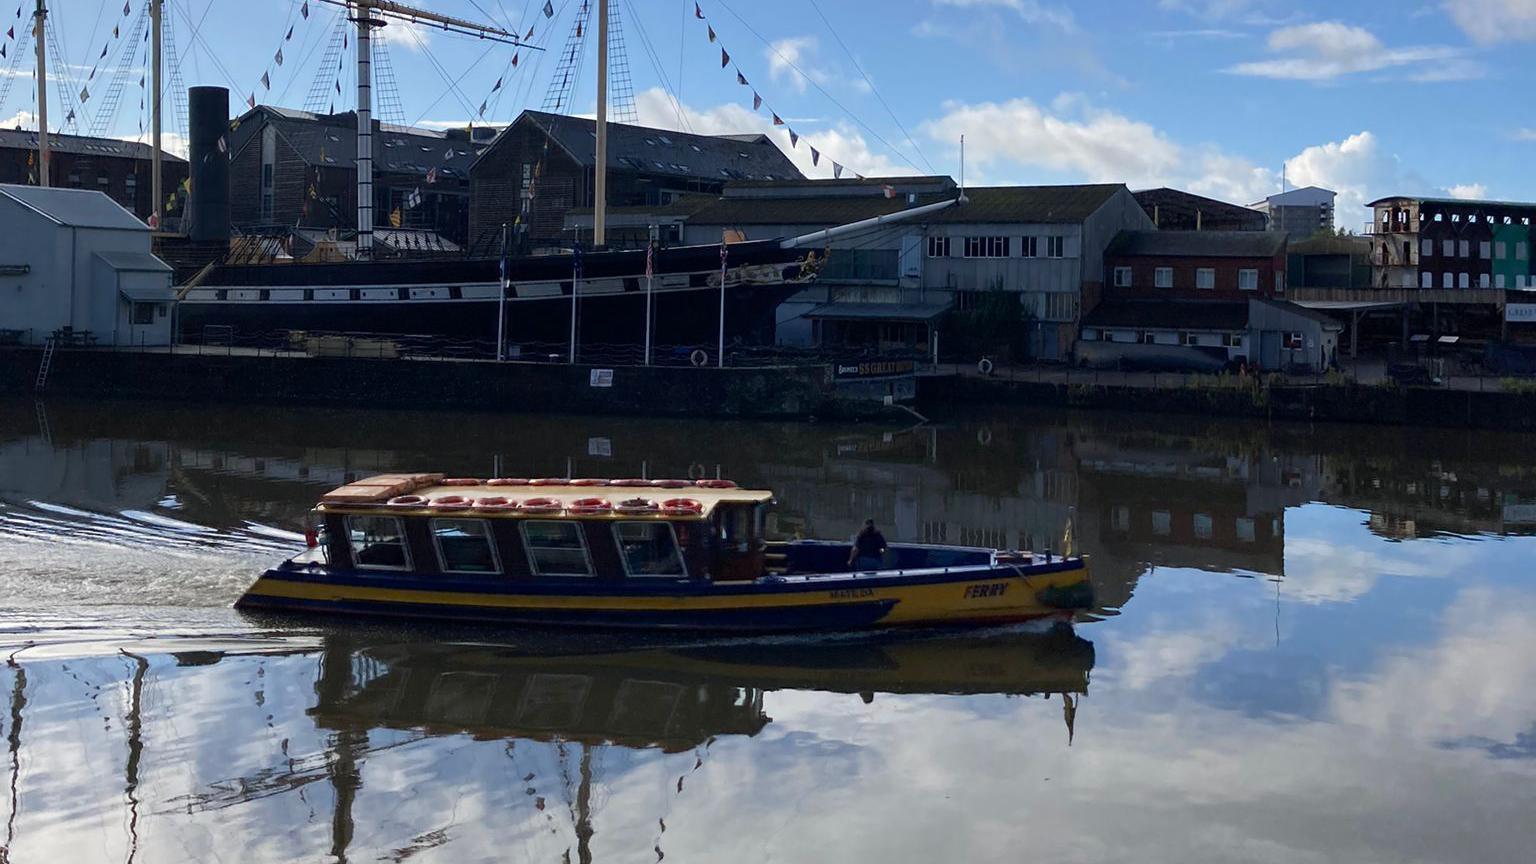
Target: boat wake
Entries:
(56, 554)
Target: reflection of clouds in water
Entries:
(1473, 682)
(1331, 558)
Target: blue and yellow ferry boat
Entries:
(638, 554)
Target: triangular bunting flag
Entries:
(70, 117)
(514, 59)
(115, 32)
(549, 9)
(125, 9)
(578, 29)
(304, 10)
(141, 80)
(711, 32)
(103, 49)
(837, 171)
(251, 100)
(223, 145)
(2, 50)
(278, 57)
(794, 139)
(757, 101)
(529, 34)
(85, 94)
(343, 41)
(482, 109)
(11, 33)
(92, 75)
(266, 81)
(740, 78)
(815, 156)
(290, 33)
(697, 12)
(497, 87)
(725, 59)
(777, 121)
(338, 89)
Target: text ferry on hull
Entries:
(635, 554)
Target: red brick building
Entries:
(1195, 265)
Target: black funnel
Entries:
(208, 150)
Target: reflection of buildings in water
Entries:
(1433, 497)
(101, 474)
(1188, 506)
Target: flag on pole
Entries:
(413, 200)
(549, 9)
(650, 259)
(432, 175)
(890, 191)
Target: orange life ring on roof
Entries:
(715, 484)
(671, 484)
(461, 481)
(508, 481)
(548, 481)
(632, 482)
(541, 505)
(408, 501)
(495, 504)
(590, 505)
(682, 507)
(589, 481)
(637, 506)
(451, 502)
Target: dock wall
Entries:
(1347, 403)
(802, 391)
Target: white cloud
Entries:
(1094, 144)
(1031, 11)
(1328, 50)
(1489, 21)
(1468, 191)
(841, 141)
(1523, 134)
(797, 59)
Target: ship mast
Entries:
(156, 178)
(42, 95)
(368, 14)
(600, 168)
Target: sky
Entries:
(1211, 96)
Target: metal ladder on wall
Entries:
(42, 370)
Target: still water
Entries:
(1314, 644)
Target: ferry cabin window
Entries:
(556, 548)
(464, 546)
(649, 549)
(377, 541)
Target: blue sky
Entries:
(1210, 95)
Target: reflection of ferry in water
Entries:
(669, 698)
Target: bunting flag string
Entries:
(278, 59)
(758, 103)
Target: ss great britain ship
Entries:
(460, 299)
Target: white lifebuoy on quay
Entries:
(699, 357)
(985, 366)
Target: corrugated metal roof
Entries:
(1170, 314)
(85, 145)
(716, 158)
(879, 311)
(140, 262)
(1198, 244)
(77, 208)
(330, 140)
(994, 204)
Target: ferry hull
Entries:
(980, 596)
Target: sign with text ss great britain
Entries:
(876, 369)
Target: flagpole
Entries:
(501, 302)
(650, 253)
(156, 158)
(720, 360)
(43, 156)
